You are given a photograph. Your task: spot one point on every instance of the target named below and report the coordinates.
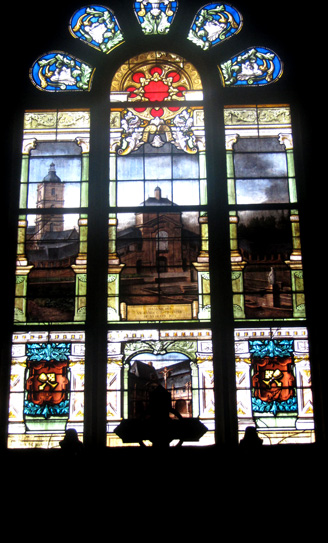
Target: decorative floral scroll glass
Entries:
(96, 26)
(213, 24)
(47, 388)
(155, 17)
(57, 71)
(256, 66)
(273, 378)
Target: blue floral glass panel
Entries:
(273, 380)
(57, 71)
(47, 384)
(214, 23)
(46, 388)
(255, 66)
(273, 377)
(97, 26)
(155, 17)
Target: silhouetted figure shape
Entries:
(71, 443)
(159, 414)
(156, 423)
(160, 403)
(251, 439)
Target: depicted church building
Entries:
(51, 250)
(158, 251)
(52, 241)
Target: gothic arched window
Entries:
(158, 238)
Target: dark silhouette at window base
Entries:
(161, 424)
(251, 439)
(71, 444)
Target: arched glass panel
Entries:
(213, 24)
(157, 162)
(156, 76)
(96, 26)
(255, 66)
(158, 261)
(155, 17)
(57, 71)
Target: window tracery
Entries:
(98, 27)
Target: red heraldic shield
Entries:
(273, 379)
(47, 382)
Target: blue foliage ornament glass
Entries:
(213, 24)
(97, 26)
(271, 348)
(256, 66)
(155, 17)
(48, 351)
(47, 384)
(57, 71)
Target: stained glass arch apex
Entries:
(156, 76)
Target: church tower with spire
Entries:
(50, 194)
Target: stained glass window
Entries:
(52, 228)
(152, 347)
(272, 364)
(159, 266)
(255, 66)
(273, 377)
(157, 161)
(264, 221)
(156, 76)
(179, 362)
(47, 388)
(47, 374)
